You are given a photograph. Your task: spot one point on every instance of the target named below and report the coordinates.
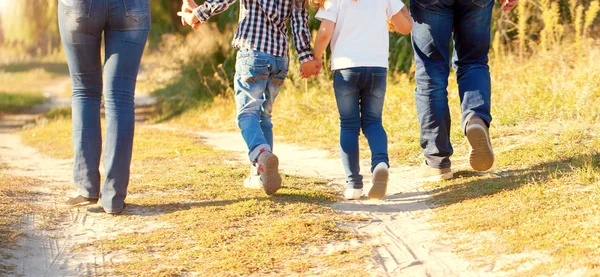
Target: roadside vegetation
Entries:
(538, 207)
(209, 223)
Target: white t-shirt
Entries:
(361, 36)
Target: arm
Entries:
(300, 32)
(210, 8)
(402, 21)
(323, 38)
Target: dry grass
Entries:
(214, 226)
(15, 198)
(545, 132)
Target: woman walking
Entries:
(125, 25)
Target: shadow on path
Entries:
(510, 179)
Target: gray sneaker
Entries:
(481, 156)
(379, 181)
(429, 174)
(80, 201)
(268, 168)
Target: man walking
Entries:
(435, 23)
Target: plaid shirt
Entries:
(262, 25)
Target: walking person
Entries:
(125, 25)
(358, 32)
(261, 68)
(436, 22)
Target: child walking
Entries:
(358, 32)
(261, 68)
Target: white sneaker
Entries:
(253, 181)
(379, 181)
(352, 194)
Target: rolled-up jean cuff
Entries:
(257, 150)
(438, 162)
(468, 118)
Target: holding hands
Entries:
(311, 68)
(187, 14)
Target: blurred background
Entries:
(189, 71)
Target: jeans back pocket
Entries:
(345, 82)
(77, 9)
(136, 9)
(378, 84)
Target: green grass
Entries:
(15, 102)
(211, 225)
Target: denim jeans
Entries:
(258, 78)
(435, 22)
(125, 25)
(360, 93)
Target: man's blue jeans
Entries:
(258, 78)
(360, 93)
(435, 22)
(125, 24)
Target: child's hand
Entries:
(189, 18)
(311, 68)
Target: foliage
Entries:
(14, 102)
(19, 30)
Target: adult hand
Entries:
(509, 5)
(311, 68)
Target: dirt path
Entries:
(398, 222)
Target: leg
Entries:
(431, 42)
(250, 84)
(125, 40)
(473, 20)
(253, 99)
(81, 35)
(345, 83)
(372, 98)
(273, 86)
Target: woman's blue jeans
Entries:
(360, 93)
(435, 23)
(125, 25)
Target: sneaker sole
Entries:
(119, 212)
(436, 178)
(379, 188)
(481, 156)
(271, 178)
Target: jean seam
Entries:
(427, 5)
(479, 4)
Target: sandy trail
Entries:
(398, 222)
(47, 252)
